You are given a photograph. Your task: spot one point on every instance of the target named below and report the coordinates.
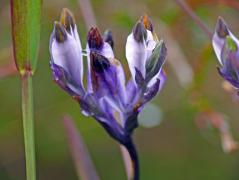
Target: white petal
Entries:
(218, 43)
(68, 55)
(136, 55)
(107, 51)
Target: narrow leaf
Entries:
(26, 33)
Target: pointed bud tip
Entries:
(94, 38)
(145, 19)
(67, 19)
(164, 48)
(108, 37)
(221, 28)
(60, 32)
(139, 32)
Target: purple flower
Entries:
(226, 45)
(108, 97)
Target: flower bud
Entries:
(94, 39)
(139, 32)
(67, 20)
(60, 32)
(147, 22)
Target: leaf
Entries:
(156, 60)
(26, 15)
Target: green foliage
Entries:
(26, 33)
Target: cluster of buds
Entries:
(107, 96)
(226, 46)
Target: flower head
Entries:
(111, 99)
(226, 45)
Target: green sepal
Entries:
(231, 44)
(156, 60)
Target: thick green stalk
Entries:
(28, 125)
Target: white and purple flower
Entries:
(111, 99)
(226, 46)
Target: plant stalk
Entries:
(28, 125)
(184, 6)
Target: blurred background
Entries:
(175, 147)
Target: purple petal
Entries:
(96, 44)
(108, 78)
(132, 93)
(63, 79)
(152, 91)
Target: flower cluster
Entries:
(226, 46)
(107, 96)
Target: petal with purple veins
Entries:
(95, 43)
(63, 79)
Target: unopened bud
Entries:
(145, 19)
(60, 32)
(94, 38)
(221, 28)
(67, 19)
(139, 32)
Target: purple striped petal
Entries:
(95, 43)
(63, 79)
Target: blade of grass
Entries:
(26, 15)
(28, 126)
(80, 155)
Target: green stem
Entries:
(28, 126)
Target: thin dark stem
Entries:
(184, 6)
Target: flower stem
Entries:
(28, 125)
(184, 6)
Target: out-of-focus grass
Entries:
(174, 150)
